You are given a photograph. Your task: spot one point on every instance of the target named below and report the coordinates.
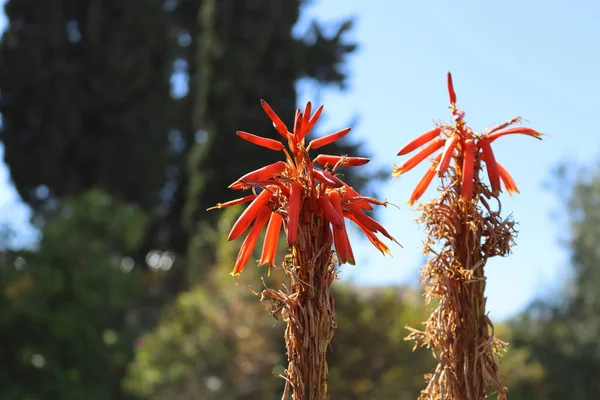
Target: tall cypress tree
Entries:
(85, 98)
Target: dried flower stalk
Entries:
(464, 231)
(311, 205)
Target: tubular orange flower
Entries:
(451, 92)
(420, 141)
(521, 130)
(261, 141)
(340, 236)
(350, 194)
(327, 178)
(298, 123)
(271, 240)
(312, 121)
(277, 122)
(420, 156)
(264, 183)
(330, 212)
(370, 235)
(235, 202)
(491, 165)
(447, 154)
(369, 223)
(509, 182)
(259, 174)
(424, 182)
(249, 214)
(325, 159)
(325, 140)
(305, 120)
(250, 241)
(467, 170)
(369, 200)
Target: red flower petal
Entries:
(451, 91)
(259, 174)
(330, 212)
(250, 242)
(294, 212)
(271, 240)
(340, 236)
(379, 245)
(447, 154)
(261, 141)
(277, 122)
(235, 202)
(424, 182)
(327, 178)
(508, 180)
(520, 130)
(249, 214)
(325, 140)
(313, 120)
(420, 156)
(420, 141)
(487, 154)
(325, 159)
(467, 170)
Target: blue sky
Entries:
(536, 59)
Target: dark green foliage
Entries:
(370, 360)
(210, 345)
(85, 98)
(62, 305)
(215, 341)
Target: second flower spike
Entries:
(466, 148)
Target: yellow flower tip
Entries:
(513, 191)
(384, 250)
(396, 172)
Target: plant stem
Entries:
(308, 309)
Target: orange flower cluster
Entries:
(461, 144)
(295, 191)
